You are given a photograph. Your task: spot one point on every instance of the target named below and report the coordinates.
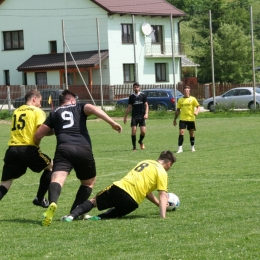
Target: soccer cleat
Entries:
(94, 218)
(44, 203)
(179, 150)
(86, 216)
(48, 215)
(134, 149)
(192, 148)
(141, 145)
(67, 218)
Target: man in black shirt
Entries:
(138, 104)
(73, 148)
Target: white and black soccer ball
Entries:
(173, 201)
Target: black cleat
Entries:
(44, 203)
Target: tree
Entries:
(231, 34)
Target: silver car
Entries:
(241, 97)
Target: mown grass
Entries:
(218, 186)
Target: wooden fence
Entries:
(112, 93)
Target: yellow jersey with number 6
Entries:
(145, 177)
(25, 121)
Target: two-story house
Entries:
(91, 41)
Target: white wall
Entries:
(41, 22)
(124, 53)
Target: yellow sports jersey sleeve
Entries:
(187, 107)
(25, 121)
(144, 178)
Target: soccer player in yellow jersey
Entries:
(22, 151)
(124, 196)
(188, 108)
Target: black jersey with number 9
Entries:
(69, 124)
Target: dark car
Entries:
(158, 99)
(46, 93)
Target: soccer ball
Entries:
(173, 202)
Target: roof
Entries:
(56, 61)
(139, 7)
(185, 62)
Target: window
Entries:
(157, 34)
(70, 78)
(24, 78)
(41, 78)
(129, 72)
(53, 47)
(13, 40)
(7, 77)
(160, 72)
(127, 33)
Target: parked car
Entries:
(46, 93)
(234, 98)
(158, 99)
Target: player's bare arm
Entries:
(146, 110)
(163, 201)
(197, 110)
(93, 110)
(177, 112)
(150, 196)
(128, 110)
(42, 131)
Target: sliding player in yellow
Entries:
(124, 196)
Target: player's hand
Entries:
(117, 127)
(174, 122)
(125, 120)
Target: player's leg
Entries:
(57, 181)
(123, 204)
(38, 161)
(4, 187)
(182, 127)
(133, 137)
(142, 133)
(84, 160)
(191, 129)
(81, 209)
(103, 199)
(84, 192)
(13, 169)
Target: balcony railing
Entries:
(164, 49)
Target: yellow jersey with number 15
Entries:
(187, 107)
(25, 121)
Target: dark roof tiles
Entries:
(139, 7)
(56, 61)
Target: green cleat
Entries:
(94, 218)
(48, 215)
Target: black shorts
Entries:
(190, 125)
(18, 158)
(138, 121)
(78, 157)
(114, 197)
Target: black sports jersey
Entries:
(137, 102)
(69, 124)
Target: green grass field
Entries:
(218, 186)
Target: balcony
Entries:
(163, 50)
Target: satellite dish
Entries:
(147, 29)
